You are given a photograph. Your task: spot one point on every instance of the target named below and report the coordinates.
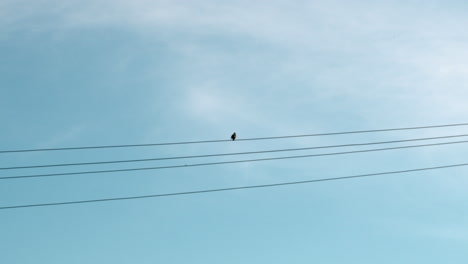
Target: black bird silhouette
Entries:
(233, 137)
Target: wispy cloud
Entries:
(399, 52)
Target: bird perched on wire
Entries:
(233, 137)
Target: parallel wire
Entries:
(228, 154)
(227, 162)
(232, 188)
(223, 140)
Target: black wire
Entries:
(227, 154)
(233, 188)
(226, 140)
(226, 162)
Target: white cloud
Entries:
(398, 52)
(206, 102)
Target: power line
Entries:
(227, 154)
(226, 162)
(232, 188)
(227, 140)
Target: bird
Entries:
(233, 137)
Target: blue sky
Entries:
(79, 73)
